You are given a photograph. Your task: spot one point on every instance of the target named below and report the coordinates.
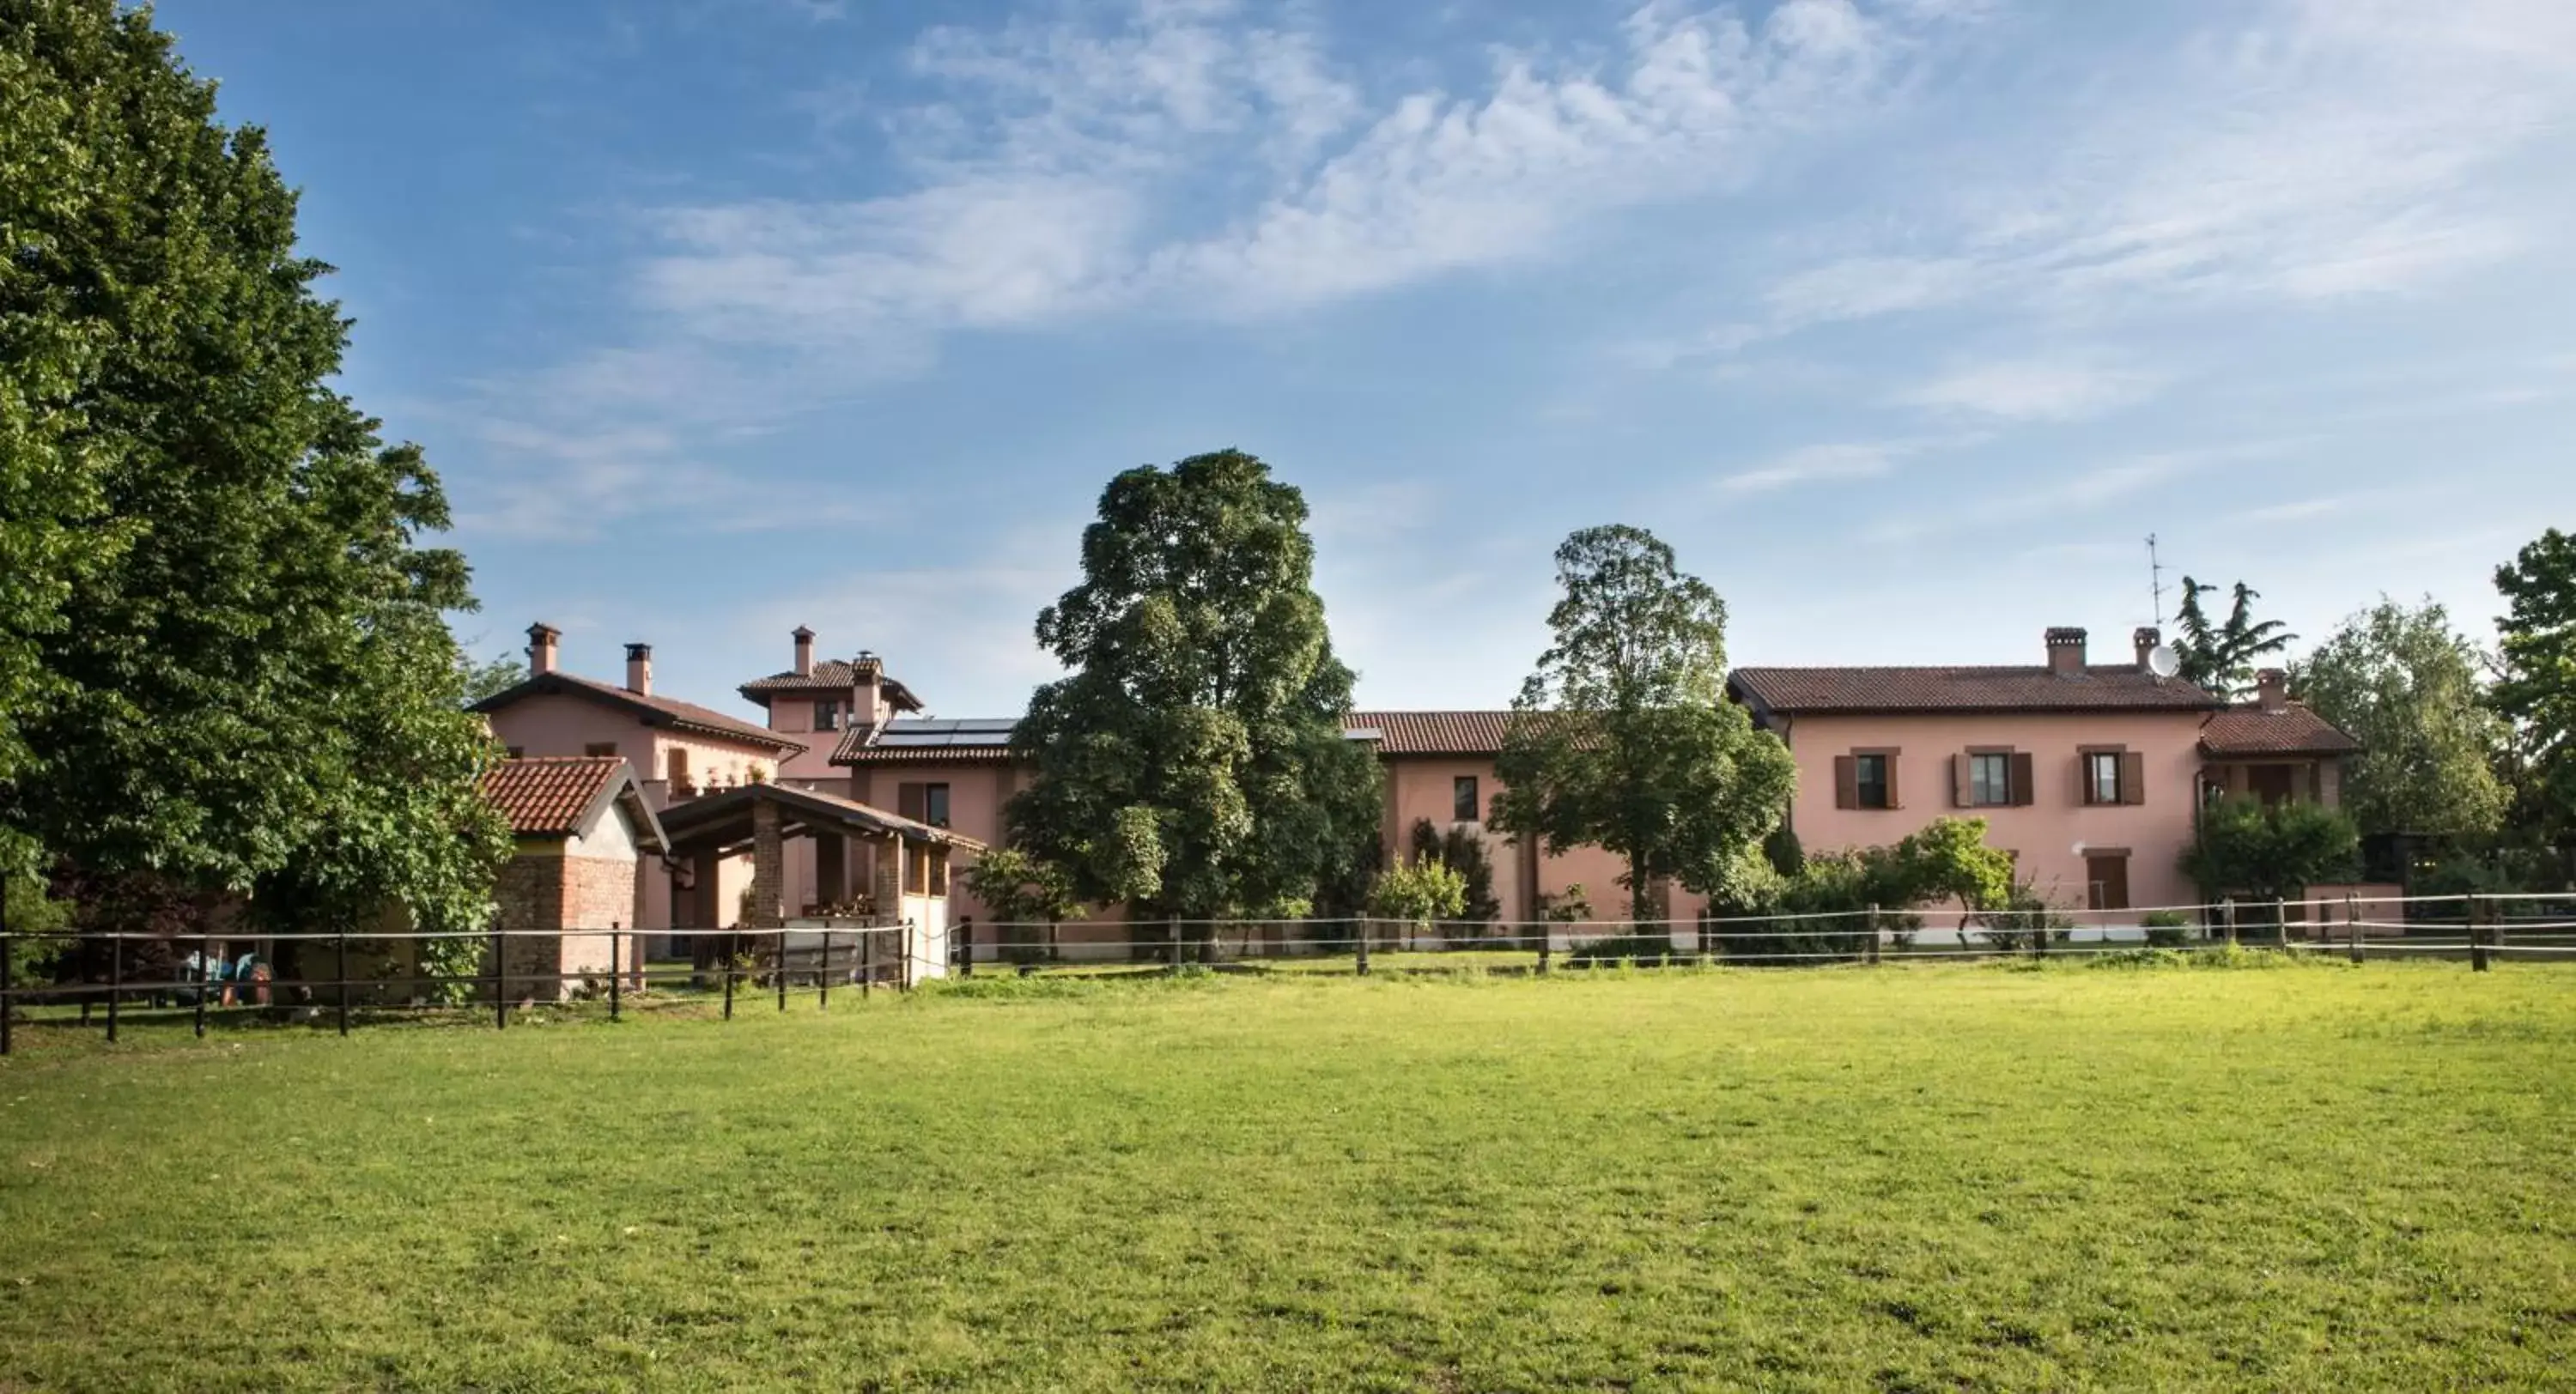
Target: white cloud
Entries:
(2329, 148)
(1064, 169)
(2038, 389)
(1817, 464)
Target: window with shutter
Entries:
(1989, 778)
(2025, 783)
(1963, 792)
(1846, 781)
(2133, 777)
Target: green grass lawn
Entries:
(1903, 1178)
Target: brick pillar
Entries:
(768, 867)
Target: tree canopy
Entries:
(233, 670)
(1193, 761)
(1624, 737)
(2405, 684)
(2275, 853)
(2220, 655)
(2538, 692)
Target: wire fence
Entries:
(347, 977)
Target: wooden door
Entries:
(2109, 878)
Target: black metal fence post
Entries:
(500, 981)
(966, 966)
(6, 949)
(1546, 944)
(823, 975)
(205, 979)
(2477, 937)
(115, 979)
(782, 968)
(867, 962)
(732, 948)
(1365, 922)
(1872, 924)
(344, 978)
(2352, 923)
(616, 969)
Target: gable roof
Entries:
(1798, 691)
(724, 818)
(652, 710)
(2251, 729)
(831, 675)
(1434, 732)
(559, 795)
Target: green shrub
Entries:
(2166, 929)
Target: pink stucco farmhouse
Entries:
(2090, 774)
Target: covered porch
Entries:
(874, 867)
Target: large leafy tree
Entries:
(1193, 762)
(249, 685)
(2220, 655)
(2404, 683)
(2538, 692)
(1624, 737)
(2275, 853)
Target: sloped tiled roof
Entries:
(551, 796)
(831, 675)
(1435, 733)
(2249, 729)
(1959, 689)
(670, 710)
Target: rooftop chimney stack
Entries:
(2272, 689)
(639, 669)
(804, 652)
(2146, 638)
(2066, 652)
(542, 638)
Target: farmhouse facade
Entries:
(2091, 775)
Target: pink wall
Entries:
(561, 725)
(2046, 833)
(1419, 787)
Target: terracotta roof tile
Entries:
(2248, 729)
(831, 675)
(704, 720)
(1947, 689)
(1435, 733)
(546, 796)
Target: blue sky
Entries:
(1905, 321)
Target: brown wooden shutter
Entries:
(2133, 777)
(1962, 793)
(1846, 782)
(1895, 799)
(909, 801)
(2025, 780)
(2084, 777)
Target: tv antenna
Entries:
(2156, 579)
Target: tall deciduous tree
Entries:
(250, 684)
(1623, 736)
(2538, 693)
(2220, 656)
(1194, 761)
(2405, 684)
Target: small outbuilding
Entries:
(873, 866)
(582, 829)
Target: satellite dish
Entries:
(2163, 661)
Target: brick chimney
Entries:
(804, 651)
(2272, 689)
(639, 669)
(542, 639)
(2066, 652)
(2145, 639)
